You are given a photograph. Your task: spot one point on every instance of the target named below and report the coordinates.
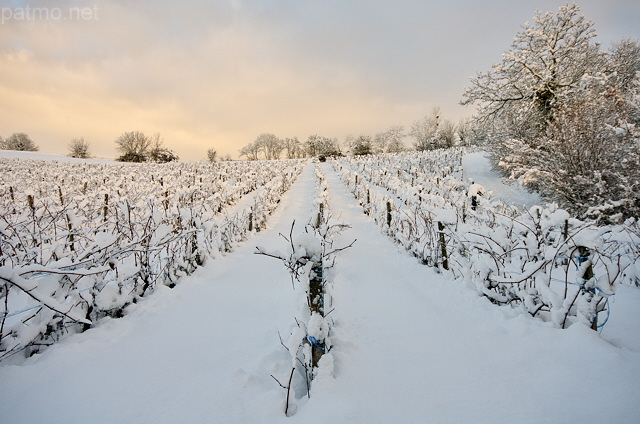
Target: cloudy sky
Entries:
(217, 73)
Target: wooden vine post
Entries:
(443, 246)
(587, 274)
(105, 208)
(316, 305)
(474, 202)
(320, 214)
(565, 236)
(71, 238)
(316, 297)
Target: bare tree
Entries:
(395, 139)
(313, 145)
(79, 148)
(424, 131)
(293, 148)
(379, 143)
(446, 136)
(317, 145)
(212, 155)
(158, 152)
(250, 151)
(348, 142)
(389, 141)
(270, 145)
(133, 146)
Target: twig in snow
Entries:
(286, 409)
(340, 249)
(279, 383)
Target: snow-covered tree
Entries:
(321, 146)
(362, 145)
(20, 142)
(547, 60)
(270, 145)
(623, 64)
(379, 143)
(395, 137)
(446, 136)
(465, 132)
(564, 115)
(293, 148)
(250, 151)
(590, 162)
(389, 141)
(424, 131)
(212, 155)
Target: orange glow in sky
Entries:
(216, 74)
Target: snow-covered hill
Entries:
(14, 154)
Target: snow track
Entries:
(409, 346)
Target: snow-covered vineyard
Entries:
(390, 288)
(81, 242)
(556, 267)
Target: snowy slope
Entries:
(410, 346)
(477, 168)
(14, 154)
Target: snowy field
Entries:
(13, 154)
(409, 344)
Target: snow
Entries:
(477, 168)
(409, 345)
(14, 154)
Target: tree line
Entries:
(132, 146)
(427, 133)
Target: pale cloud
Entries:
(218, 73)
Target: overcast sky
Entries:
(214, 73)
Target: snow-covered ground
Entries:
(477, 167)
(409, 345)
(14, 154)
